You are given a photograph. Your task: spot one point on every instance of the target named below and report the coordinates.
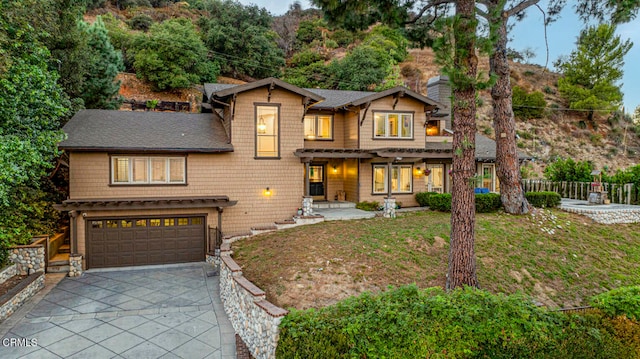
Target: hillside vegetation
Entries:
(318, 56)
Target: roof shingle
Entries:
(105, 130)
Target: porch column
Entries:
(307, 186)
(389, 207)
(73, 231)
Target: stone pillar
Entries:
(389, 207)
(75, 265)
(29, 259)
(307, 206)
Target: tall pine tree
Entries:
(593, 71)
(100, 88)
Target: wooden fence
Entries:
(617, 193)
(150, 105)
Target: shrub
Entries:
(488, 202)
(423, 198)
(569, 170)
(368, 206)
(528, 105)
(543, 199)
(408, 322)
(440, 202)
(485, 202)
(619, 301)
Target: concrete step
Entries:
(58, 268)
(334, 204)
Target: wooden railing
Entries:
(617, 193)
(176, 106)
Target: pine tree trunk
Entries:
(462, 259)
(507, 164)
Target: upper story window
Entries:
(401, 179)
(393, 125)
(318, 127)
(433, 128)
(267, 132)
(147, 170)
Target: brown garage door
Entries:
(135, 241)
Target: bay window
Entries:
(147, 170)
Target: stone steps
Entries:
(58, 268)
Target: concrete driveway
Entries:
(157, 312)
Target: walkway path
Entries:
(157, 312)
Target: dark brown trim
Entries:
(255, 128)
(145, 203)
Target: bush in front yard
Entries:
(485, 202)
(440, 202)
(488, 202)
(543, 199)
(368, 206)
(619, 301)
(423, 198)
(409, 322)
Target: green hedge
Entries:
(423, 198)
(543, 199)
(488, 202)
(408, 322)
(485, 202)
(619, 301)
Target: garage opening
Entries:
(135, 241)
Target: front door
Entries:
(488, 176)
(317, 182)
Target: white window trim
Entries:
(386, 179)
(387, 128)
(149, 180)
(315, 119)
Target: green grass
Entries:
(560, 259)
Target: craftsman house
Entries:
(158, 187)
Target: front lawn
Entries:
(560, 259)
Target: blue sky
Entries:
(529, 33)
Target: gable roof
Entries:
(325, 99)
(224, 91)
(131, 131)
(337, 98)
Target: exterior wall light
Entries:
(335, 169)
(267, 192)
(419, 171)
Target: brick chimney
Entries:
(439, 89)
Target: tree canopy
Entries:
(241, 37)
(32, 106)
(593, 70)
(172, 55)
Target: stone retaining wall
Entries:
(75, 265)
(253, 318)
(608, 217)
(8, 272)
(13, 299)
(29, 259)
